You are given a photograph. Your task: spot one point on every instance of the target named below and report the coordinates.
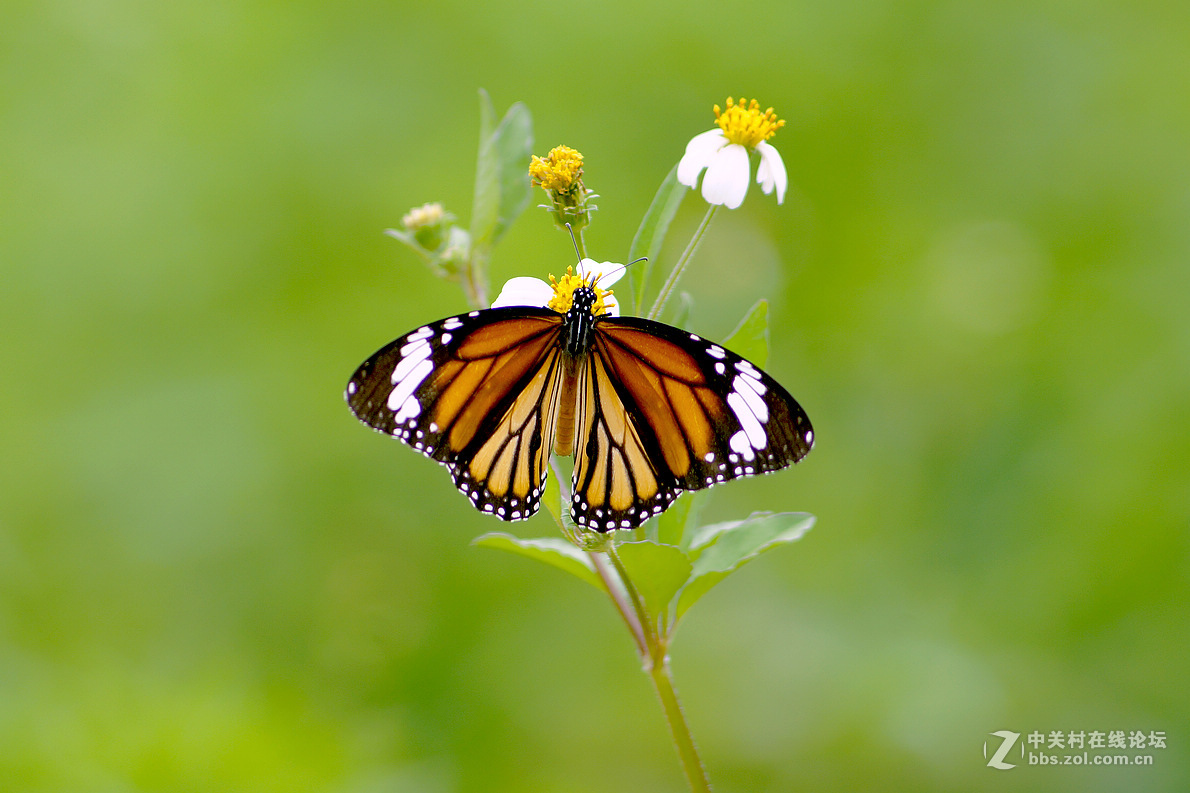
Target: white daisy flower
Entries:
(529, 291)
(723, 152)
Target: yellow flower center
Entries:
(564, 288)
(747, 126)
(559, 171)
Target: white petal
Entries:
(524, 291)
(609, 272)
(699, 152)
(613, 308)
(771, 171)
(726, 181)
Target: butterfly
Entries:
(647, 410)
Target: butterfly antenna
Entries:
(577, 255)
(634, 261)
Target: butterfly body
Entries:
(578, 321)
(647, 410)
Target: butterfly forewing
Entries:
(665, 411)
(476, 392)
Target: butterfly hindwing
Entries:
(476, 392)
(617, 481)
(695, 415)
(503, 469)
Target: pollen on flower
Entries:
(560, 171)
(422, 216)
(564, 288)
(747, 125)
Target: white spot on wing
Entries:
(751, 391)
(414, 354)
(748, 421)
(420, 333)
(739, 444)
(409, 383)
(747, 368)
(753, 381)
(409, 409)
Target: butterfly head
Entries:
(584, 299)
(572, 291)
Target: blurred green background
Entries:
(213, 578)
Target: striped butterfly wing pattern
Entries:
(477, 393)
(648, 411)
(662, 411)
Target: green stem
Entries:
(652, 646)
(682, 263)
(626, 612)
(656, 664)
(662, 679)
(473, 282)
(610, 583)
(642, 615)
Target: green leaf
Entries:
(723, 548)
(751, 337)
(693, 591)
(552, 497)
(657, 572)
(411, 241)
(513, 145)
(405, 237)
(672, 524)
(501, 172)
(645, 532)
(551, 550)
(697, 541)
(652, 231)
(485, 204)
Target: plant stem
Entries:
(651, 644)
(662, 678)
(473, 282)
(656, 664)
(634, 626)
(647, 627)
(682, 263)
(613, 586)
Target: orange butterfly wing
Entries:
(478, 393)
(652, 411)
(662, 411)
